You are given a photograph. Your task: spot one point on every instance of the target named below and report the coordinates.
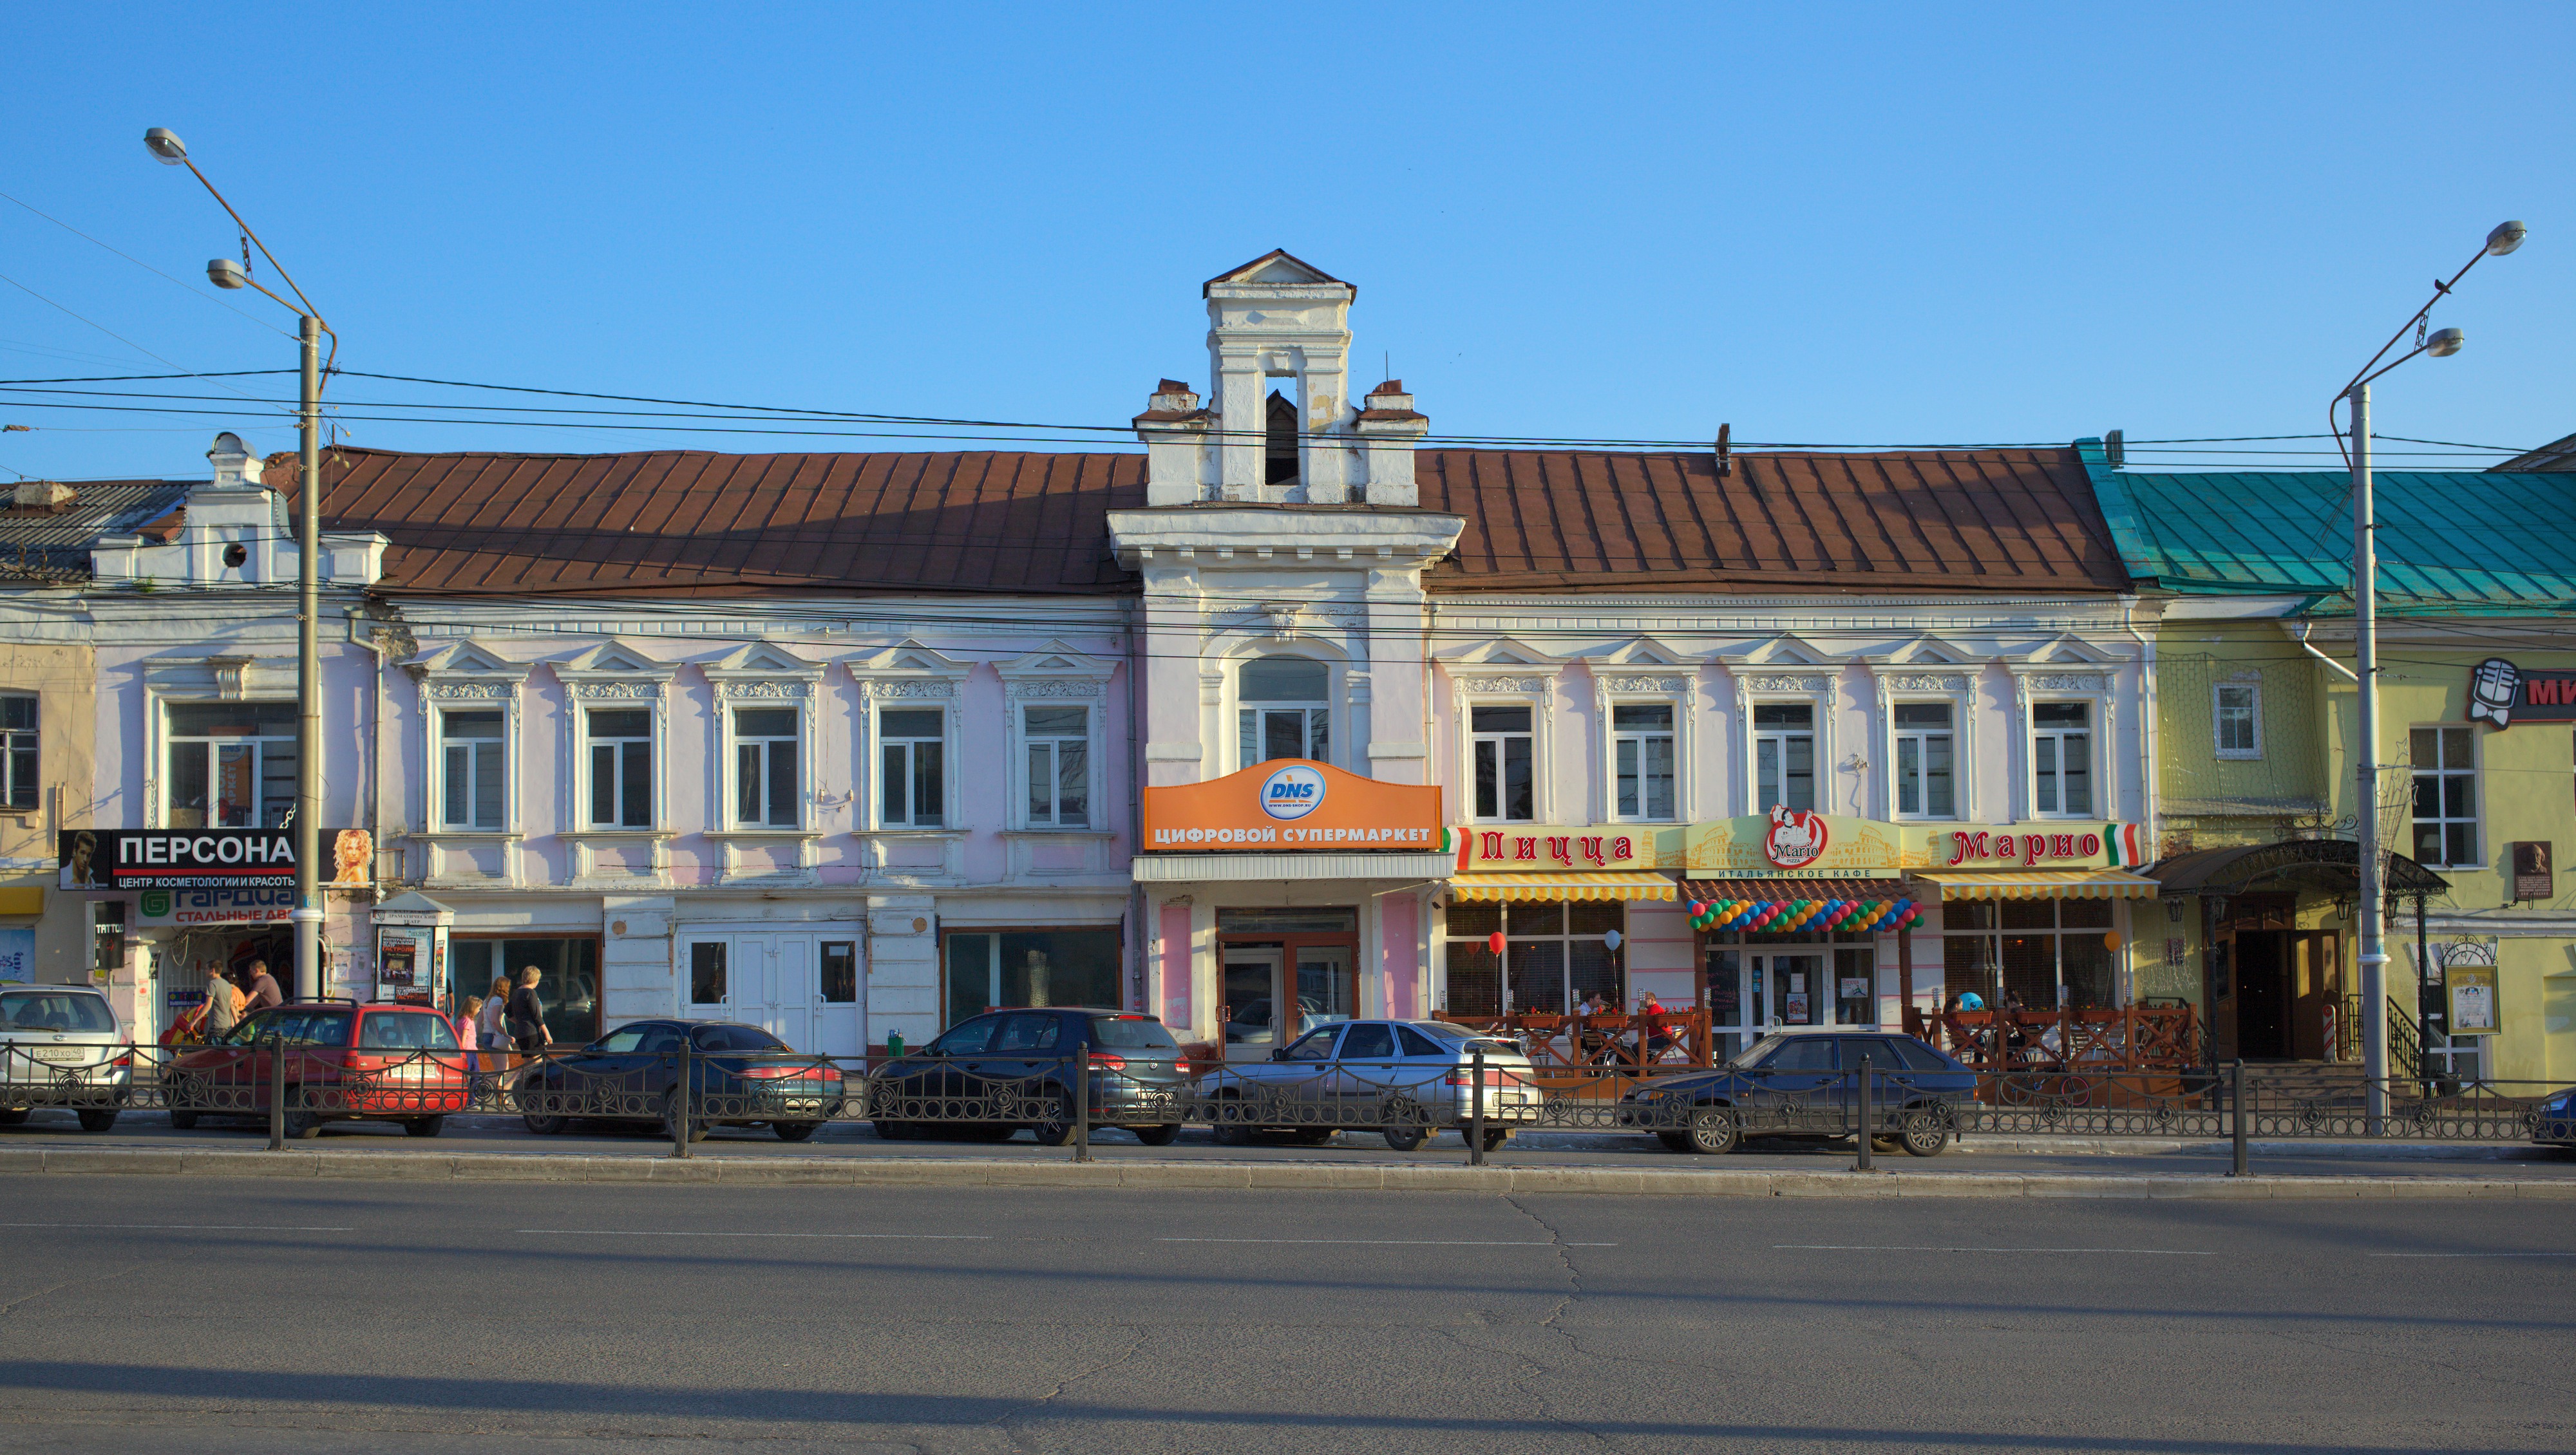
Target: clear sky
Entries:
(1836, 224)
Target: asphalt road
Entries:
(1533, 1149)
(217, 1315)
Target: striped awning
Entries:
(2046, 884)
(1488, 888)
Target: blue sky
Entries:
(1850, 225)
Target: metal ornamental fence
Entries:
(1066, 1097)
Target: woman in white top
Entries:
(487, 1026)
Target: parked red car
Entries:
(343, 1062)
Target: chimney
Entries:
(1388, 428)
(234, 467)
(42, 497)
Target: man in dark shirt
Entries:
(263, 988)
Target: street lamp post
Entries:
(2373, 956)
(225, 273)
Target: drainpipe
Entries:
(2322, 657)
(1136, 806)
(2148, 798)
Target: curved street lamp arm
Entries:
(301, 304)
(2440, 291)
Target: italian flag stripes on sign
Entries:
(2126, 843)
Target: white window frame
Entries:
(1025, 788)
(734, 742)
(1056, 675)
(475, 750)
(169, 741)
(1897, 736)
(2252, 686)
(1821, 769)
(2477, 777)
(31, 783)
(2095, 758)
(467, 678)
(1333, 688)
(586, 744)
(879, 741)
(1538, 757)
(1675, 732)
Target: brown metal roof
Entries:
(1954, 520)
(696, 523)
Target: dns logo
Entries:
(1293, 792)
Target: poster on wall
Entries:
(2470, 992)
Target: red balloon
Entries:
(1495, 942)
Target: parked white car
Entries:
(60, 1046)
(1406, 1078)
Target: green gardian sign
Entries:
(2499, 692)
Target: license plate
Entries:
(58, 1053)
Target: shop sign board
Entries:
(1794, 845)
(2499, 692)
(1527, 848)
(203, 858)
(265, 904)
(1292, 804)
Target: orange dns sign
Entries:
(1293, 803)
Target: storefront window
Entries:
(567, 979)
(2044, 953)
(988, 968)
(1557, 955)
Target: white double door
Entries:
(800, 985)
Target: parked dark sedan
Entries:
(1008, 1069)
(739, 1075)
(1807, 1083)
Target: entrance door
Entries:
(801, 986)
(1799, 994)
(1328, 989)
(2263, 998)
(1732, 1002)
(1252, 1000)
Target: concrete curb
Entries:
(772, 1171)
(2171, 1146)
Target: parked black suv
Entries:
(1008, 1069)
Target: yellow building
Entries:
(2257, 790)
(48, 732)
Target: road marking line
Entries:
(1395, 1242)
(187, 1227)
(683, 1233)
(2477, 1255)
(1931, 1248)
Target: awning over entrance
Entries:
(1489, 888)
(2046, 884)
(2327, 864)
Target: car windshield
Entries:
(1131, 1033)
(406, 1031)
(1464, 1039)
(55, 1010)
(1757, 1053)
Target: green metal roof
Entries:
(2451, 542)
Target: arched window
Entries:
(1285, 711)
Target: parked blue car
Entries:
(1806, 1083)
(2556, 1124)
(739, 1075)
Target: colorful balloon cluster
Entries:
(1787, 916)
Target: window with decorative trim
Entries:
(20, 785)
(912, 767)
(1642, 759)
(474, 762)
(768, 780)
(1503, 749)
(1284, 709)
(2236, 718)
(620, 767)
(1784, 756)
(2061, 760)
(1057, 741)
(1927, 780)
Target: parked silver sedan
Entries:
(1409, 1079)
(60, 1046)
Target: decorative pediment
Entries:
(614, 671)
(1925, 651)
(467, 669)
(758, 669)
(1055, 670)
(1499, 654)
(1785, 649)
(1275, 266)
(2063, 650)
(1639, 651)
(908, 670)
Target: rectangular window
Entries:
(911, 774)
(1784, 756)
(840, 972)
(1059, 746)
(2237, 719)
(621, 767)
(475, 753)
(1641, 741)
(707, 972)
(2061, 751)
(765, 785)
(1264, 733)
(2446, 796)
(987, 968)
(1557, 956)
(1926, 778)
(231, 765)
(19, 785)
(567, 979)
(1503, 747)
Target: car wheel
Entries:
(1676, 1141)
(1495, 1137)
(1230, 1129)
(1162, 1136)
(1714, 1130)
(183, 1120)
(1404, 1136)
(1053, 1128)
(424, 1126)
(14, 1116)
(793, 1131)
(894, 1131)
(97, 1121)
(303, 1126)
(545, 1126)
(671, 1120)
(1924, 1132)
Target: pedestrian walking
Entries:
(490, 1028)
(223, 1008)
(262, 987)
(527, 1017)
